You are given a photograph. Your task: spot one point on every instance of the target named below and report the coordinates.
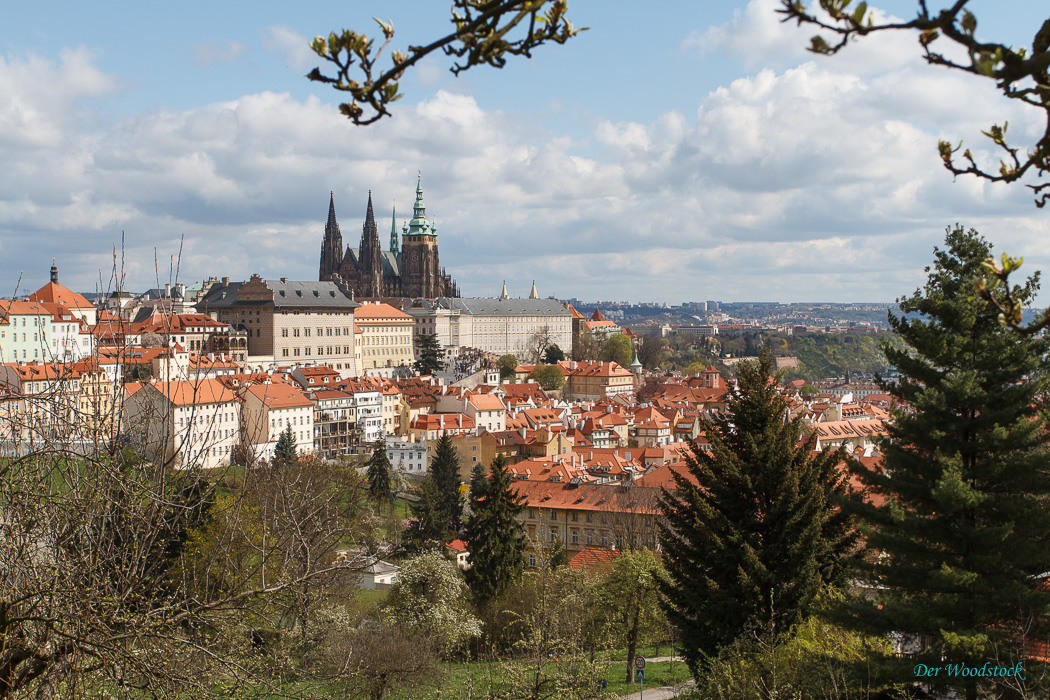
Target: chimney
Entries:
(225, 281)
(167, 290)
(284, 280)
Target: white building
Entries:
(500, 326)
(271, 408)
(406, 456)
(185, 423)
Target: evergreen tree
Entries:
(750, 531)
(965, 526)
(284, 451)
(430, 527)
(428, 354)
(494, 535)
(553, 355)
(378, 476)
(444, 470)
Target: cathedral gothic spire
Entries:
(371, 255)
(332, 245)
(411, 267)
(394, 246)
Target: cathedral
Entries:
(409, 268)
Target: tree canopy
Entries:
(378, 475)
(494, 536)
(751, 529)
(550, 377)
(429, 598)
(964, 531)
(506, 365)
(428, 354)
(617, 348)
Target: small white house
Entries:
(378, 574)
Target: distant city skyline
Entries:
(684, 152)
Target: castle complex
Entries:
(410, 268)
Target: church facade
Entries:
(409, 268)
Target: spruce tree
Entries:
(428, 354)
(430, 527)
(444, 471)
(965, 527)
(494, 535)
(378, 476)
(750, 533)
(284, 451)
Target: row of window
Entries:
(326, 332)
(321, 352)
(574, 515)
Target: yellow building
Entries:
(386, 338)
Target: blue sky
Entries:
(688, 151)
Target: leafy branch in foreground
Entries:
(1020, 74)
(484, 35)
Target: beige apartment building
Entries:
(386, 338)
(288, 321)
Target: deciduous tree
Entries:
(486, 33)
(1021, 74)
(506, 365)
(429, 598)
(549, 377)
(617, 348)
(630, 596)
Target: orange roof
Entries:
(279, 395)
(188, 393)
(591, 558)
(23, 308)
(443, 421)
(373, 312)
(56, 293)
(486, 402)
(585, 497)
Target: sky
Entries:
(674, 151)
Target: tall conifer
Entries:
(750, 532)
(378, 475)
(965, 528)
(444, 470)
(494, 534)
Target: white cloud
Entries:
(291, 45)
(808, 182)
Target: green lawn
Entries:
(486, 675)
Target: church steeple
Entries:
(534, 294)
(418, 225)
(370, 255)
(503, 294)
(394, 246)
(54, 272)
(332, 245)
